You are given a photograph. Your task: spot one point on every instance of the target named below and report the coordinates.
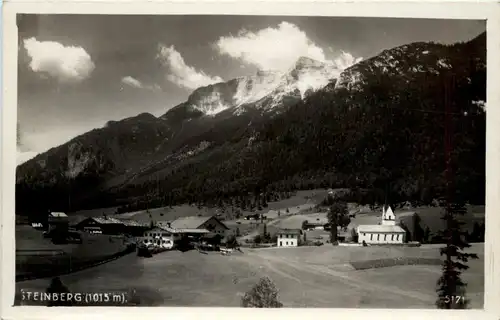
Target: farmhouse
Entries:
(162, 236)
(387, 232)
(58, 221)
(166, 234)
(289, 237)
(196, 226)
(105, 225)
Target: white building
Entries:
(166, 234)
(289, 237)
(161, 236)
(387, 232)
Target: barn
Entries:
(105, 225)
(58, 221)
(193, 225)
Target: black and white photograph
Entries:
(250, 161)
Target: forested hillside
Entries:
(380, 126)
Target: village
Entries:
(213, 233)
(290, 242)
(304, 224)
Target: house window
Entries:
(392, 237)
(378, 237)
(287, 243)
(371, 236)
(385, 237)
(364, 234)
(281, 243)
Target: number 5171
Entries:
(454, 299)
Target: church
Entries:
(387, 232)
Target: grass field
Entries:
(305, 276)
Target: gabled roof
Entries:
(177, 231)
(107, 220)
(387, 212)
(132, 223)
(58, 214)
(192, 222)
(376, 228)
(290, 231)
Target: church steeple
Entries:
(388, 217)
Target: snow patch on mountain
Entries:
(211, 103)
(254, 88)
(268, 90)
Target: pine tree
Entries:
(336, 214)
(451, 288)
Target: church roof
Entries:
(387, 211)
(376, 228)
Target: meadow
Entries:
(306, 277)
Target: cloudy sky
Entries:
(76, 72)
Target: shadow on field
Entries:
(391, 262)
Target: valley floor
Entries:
(305, 276)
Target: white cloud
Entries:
(345, 60)
(65, 63)
(133, 82)
(275, 48)
(182, 74)
(23, 156)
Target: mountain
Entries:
(265, 91)
(379, 122)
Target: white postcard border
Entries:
(431, 9)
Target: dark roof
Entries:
(102, 220)
(93, 227)
(132, 223)
(178, 231)
(289, 231)
(192, 222)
